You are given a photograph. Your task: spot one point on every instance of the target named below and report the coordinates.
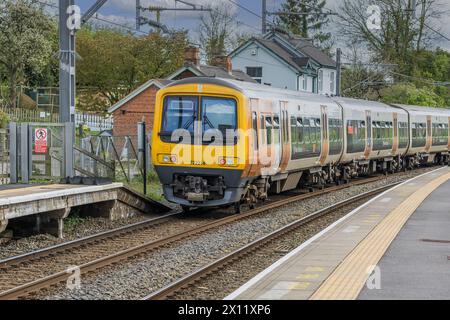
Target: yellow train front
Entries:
(196, 151)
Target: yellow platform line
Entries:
(348, 279)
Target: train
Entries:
(219, 142)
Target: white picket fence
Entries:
(94, 122)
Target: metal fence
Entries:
(4, 157)
(119, 158)
(114, 157)
(25, 115)
(29, 161)
(93, 121)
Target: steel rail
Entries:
(34, 286)
(190, 279)
(65, 246)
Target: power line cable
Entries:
(245, 8)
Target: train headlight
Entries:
(167, 158)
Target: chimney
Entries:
(192, 56)
(223, 62)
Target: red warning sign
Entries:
(40, 140)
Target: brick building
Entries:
(140, 104)
(136, 107)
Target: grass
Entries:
(72, 222)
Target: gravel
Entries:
(79, 228)
(142, 275)
(220, 284)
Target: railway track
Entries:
(189, 281)
(89, 253)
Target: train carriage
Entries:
(376, 135)
(428, 132)
(221, 142)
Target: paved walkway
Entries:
(417, 264)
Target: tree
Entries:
(113, 63)
(310, 24)
(409, 94)
(396, 36)
(24, 41)
(216, 29)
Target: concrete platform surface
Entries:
(337, 262)
(417, 264)
(46, 206)
(31, 193)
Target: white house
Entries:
(286, 61)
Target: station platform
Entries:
(395, 246)
(50, 204)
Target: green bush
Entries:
(4, 120)
(410, 94)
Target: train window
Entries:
(276, 122)
(219, 113)
(269, 130)
(262, 128)
(180, 112)
(403, 134)
(335, 137)
(255, 130)
(317, 122)
(299, 122)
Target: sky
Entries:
(123, 12)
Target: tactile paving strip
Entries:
(347, 280)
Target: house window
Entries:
(255, 72)
(320, 81)
(332, 81)
(305, 83)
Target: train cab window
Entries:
(219, 113)
(180, 112)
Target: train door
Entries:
(429, 134)
(368, 134)
(395, 142)
(325, 136)
(285, 137)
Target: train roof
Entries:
(262, 90)
(420, 110)
(249, 87)
(352, 103)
